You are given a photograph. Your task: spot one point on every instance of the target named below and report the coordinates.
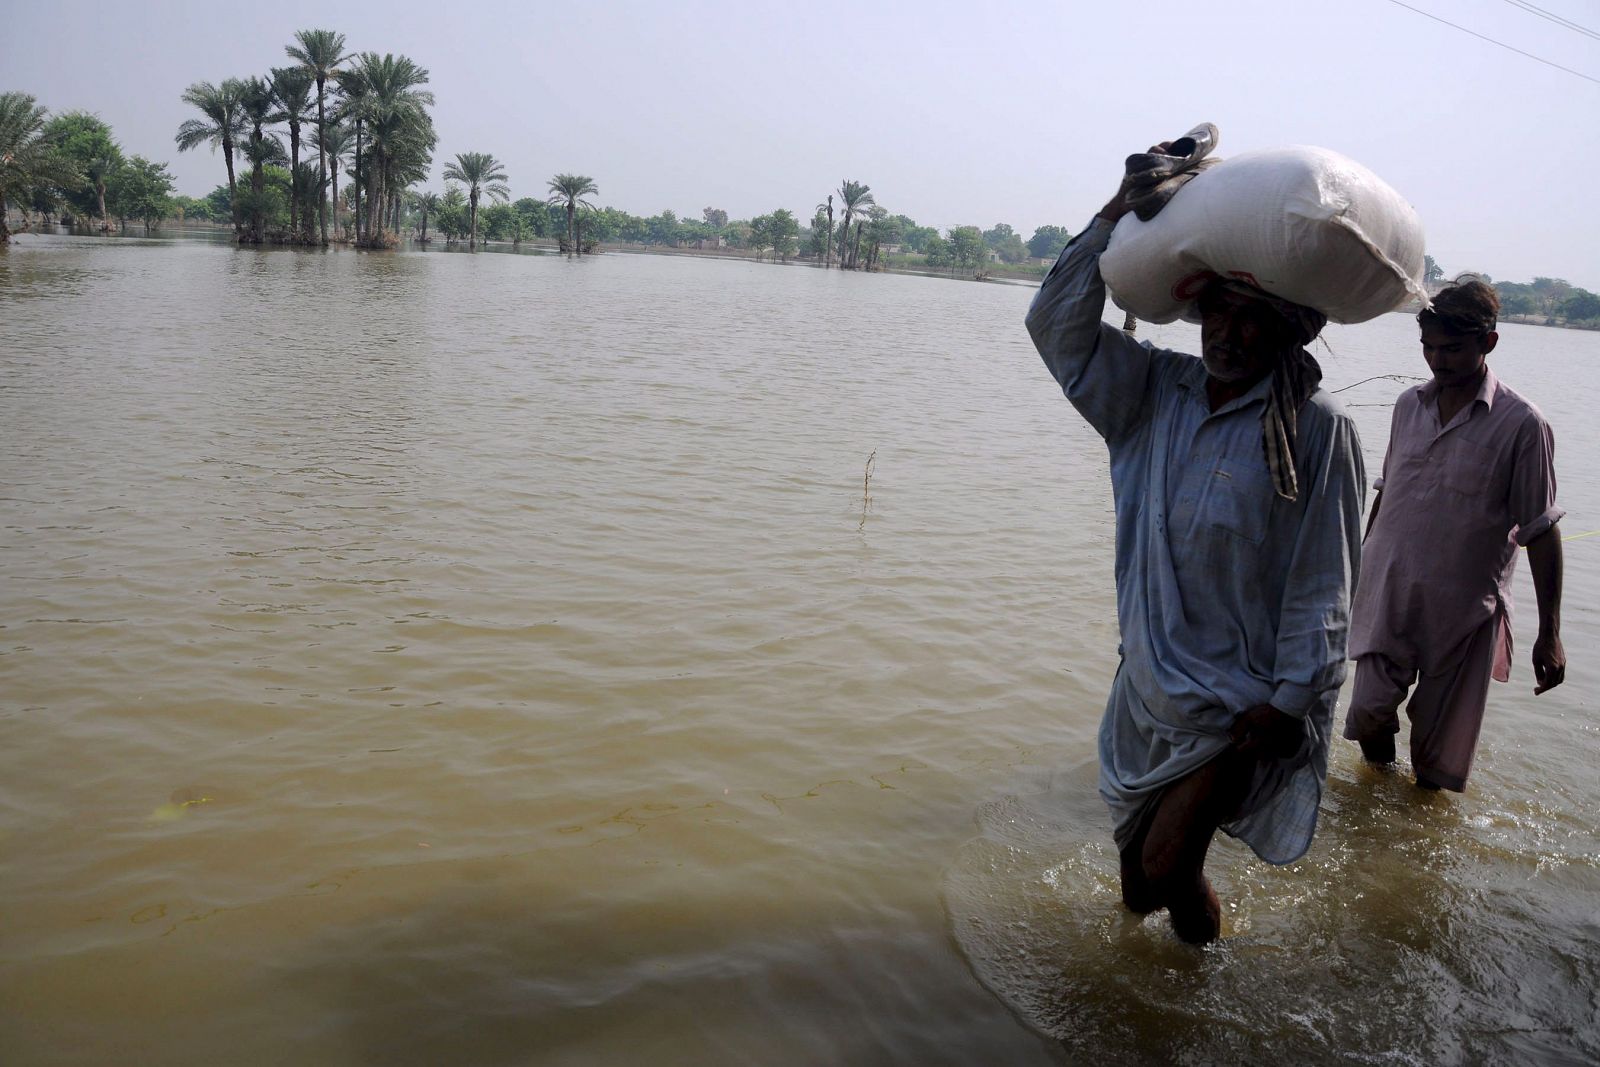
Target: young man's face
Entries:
(1456, 358)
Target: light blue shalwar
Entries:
(1228, 596)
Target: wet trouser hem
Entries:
(1441, 779)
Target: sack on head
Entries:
(1305, 224)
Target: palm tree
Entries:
(827, 254)
(382, 94)
(305, 180)
(427, 203)
(320, 52)
(28, 159)
(332, 146)
(409, 167)
(353, 90)
(222, 126)
(483, 175)
(292, 88)
(570, 189)
(256, 105)
(856, 197)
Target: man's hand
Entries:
(1267, 733)
(1117, 206)
(1549, 662)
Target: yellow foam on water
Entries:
(175, 810)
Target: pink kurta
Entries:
(1457, 502)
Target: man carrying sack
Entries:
(1238, 487)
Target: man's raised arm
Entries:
(1103, 371)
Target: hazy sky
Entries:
(954, 113)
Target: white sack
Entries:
(1305, 224)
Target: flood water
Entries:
(494, 659)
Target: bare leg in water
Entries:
(1165, 865)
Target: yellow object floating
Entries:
(176, 808)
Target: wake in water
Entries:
(1410, 934)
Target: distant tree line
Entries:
(368, 118)
(72, 165)
(1545, 301)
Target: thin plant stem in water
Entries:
(866, 490)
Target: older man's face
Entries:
(1240, 339)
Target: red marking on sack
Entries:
(1191, 285)
(1245, 276)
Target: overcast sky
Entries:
(954, 113)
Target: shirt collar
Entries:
(1429, 390)
(1487, 389)
(1193, 379)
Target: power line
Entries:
(1564, 23)
(1502, 44)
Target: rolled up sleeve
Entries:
(1533, 481)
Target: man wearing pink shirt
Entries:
(1468, 478)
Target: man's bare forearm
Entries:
(1549, 658)
(1545, 561)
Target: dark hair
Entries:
(1470, 308)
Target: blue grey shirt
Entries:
(1228, 595)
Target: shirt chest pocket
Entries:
(1467, 468)
(1239, 498)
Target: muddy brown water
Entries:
(493, 659)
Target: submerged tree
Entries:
(334, 145)
(29, 160)
(86, 141)
(383, 96)
(222, 127)
(291, 86)
(856, 197)
(452, 213)
(320, 52)
(827, 247)
(425, 204)
(569, 190)
(882, 229)
(141, 189)
(966, 246)
(783, 233)
(256, 104)
(483, 175)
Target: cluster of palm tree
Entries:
(857, 199)
(375, 120)
(475, 177)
